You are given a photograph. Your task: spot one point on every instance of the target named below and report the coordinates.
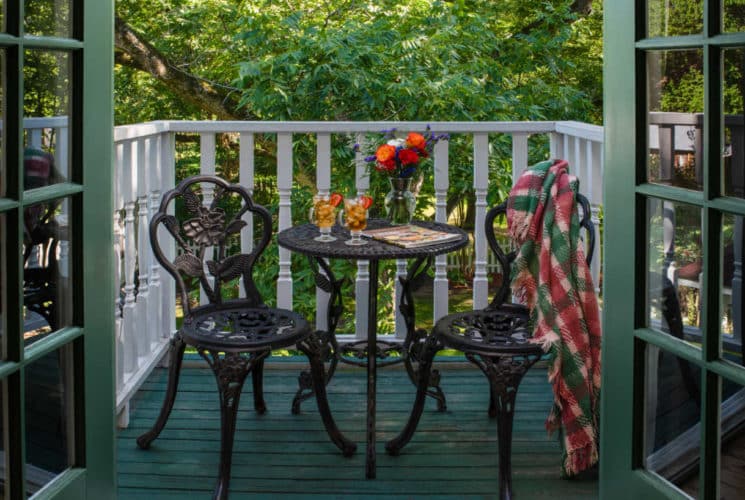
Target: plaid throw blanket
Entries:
(551, 277)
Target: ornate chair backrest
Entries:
(505, 259)
(205, 216)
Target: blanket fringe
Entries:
(580, 459)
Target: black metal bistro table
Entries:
(300, 239)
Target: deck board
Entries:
(453, 454)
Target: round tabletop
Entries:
(300, 239)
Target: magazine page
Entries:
(410, 236)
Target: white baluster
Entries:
(246, 179)
(130, 250)
(480, 182)
(362, 282)
(207, 167)
(168, 181)
(143, 250)
(556, 144)
(118, 244)
(62, 151)
(154, 302)
(284, 187)
(519, 155)
(323, 184)
(440, 286)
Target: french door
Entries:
(56, 291)
(673, 411)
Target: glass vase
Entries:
(400, 202)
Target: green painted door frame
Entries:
(629, 334)
(82, 348)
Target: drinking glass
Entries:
(323, 215)
(355, 219)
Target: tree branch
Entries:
(134, 51)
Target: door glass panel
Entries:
(733, 145)
(2, 121)
(3, 288)
(46, 107)
(674, 261)
(47, 290)
(733, 15)
(48, 18)
(674, 17)
(672, 416)
(4, 474)
(732, 450)
(731, 292)
(675, 104)
(49, 417)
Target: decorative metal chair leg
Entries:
(394, 446)
(257, 377)
(174, 371)
(312, 347)
(230, 373)
(505, 414)
(492, 401)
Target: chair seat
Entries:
(233, 327)
(502, 330)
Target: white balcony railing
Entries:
(145, 168)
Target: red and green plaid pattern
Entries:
(551, 277)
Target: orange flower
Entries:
(415, 140)
(385, 153)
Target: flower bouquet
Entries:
(402, 160)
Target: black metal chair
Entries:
(233, 335)
(496, 339)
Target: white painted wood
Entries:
(154, 170)
(323, 186)
(168, 182)
(284, 187)
(362, 282)
(207, 155)
(118, 248)
(130, 249)
(480, 183)
(519, 155)
(441, 181)
(143, 251)
(246, 179)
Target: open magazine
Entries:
(410, 236)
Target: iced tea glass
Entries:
(355, 219)
(323, 215)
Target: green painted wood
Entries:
(99, 400)
(452, 455)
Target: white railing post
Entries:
(519, 155)
(441, 181)
(362, 282)
(246, 179)
(143, 251)
(152, 199)
(207, 157)
(284, 187)
(129, 179)
(480, 183)
(323, 185)
(168, 182)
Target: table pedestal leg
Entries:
(372, 359)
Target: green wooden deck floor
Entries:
(280, 455)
